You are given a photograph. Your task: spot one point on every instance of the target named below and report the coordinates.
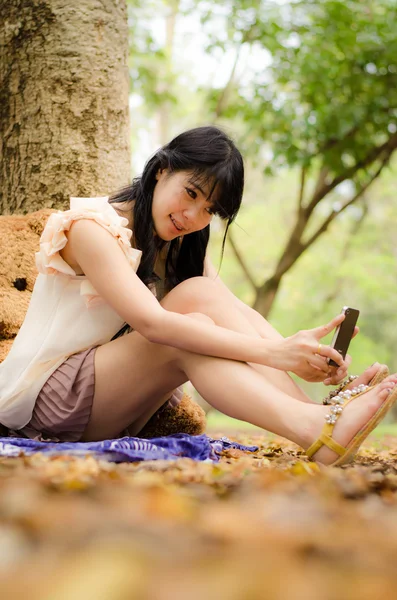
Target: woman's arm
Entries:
(101, 259)
(263, 327)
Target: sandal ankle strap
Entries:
(325, 439)
(337, 403)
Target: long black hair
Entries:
(211, 159)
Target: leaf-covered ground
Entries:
(253, 526)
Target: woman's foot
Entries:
(371, 376)
(368, 375)
(353, 418)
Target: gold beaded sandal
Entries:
(379, 376)
(338, 404)
(376, 379)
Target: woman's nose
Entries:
(191, 214)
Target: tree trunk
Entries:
(267, 292)
(64, 127)
(265, 296)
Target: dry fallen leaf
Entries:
(267, 524)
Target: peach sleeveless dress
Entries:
(47, 380)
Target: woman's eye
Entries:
(191, 193)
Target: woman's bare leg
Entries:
(246, 397)
(134, 376)
(205, 296)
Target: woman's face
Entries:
(179, 206)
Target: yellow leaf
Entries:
(304, 468)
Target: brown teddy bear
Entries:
(19, 235)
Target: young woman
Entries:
(141, 259)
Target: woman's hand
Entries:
(338, 374)
(304, 355)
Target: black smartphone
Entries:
(344, 333)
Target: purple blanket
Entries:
(128, 449)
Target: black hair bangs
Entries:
(222, 187)
(213, 164)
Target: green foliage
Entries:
(315, 86)
(149, 60)
(340, 269)
(331, 86)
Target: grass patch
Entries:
(219, 421)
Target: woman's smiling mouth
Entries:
(177, 226)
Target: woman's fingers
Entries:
(316, 374)
(338, 374)
(317, 355)
(342, 369)
(313, 357)
(348, 361)
(333, 380)
(356, 331)
(319, 362)
(328, 352)
(336, 377)
(324, 350)
(323, 330)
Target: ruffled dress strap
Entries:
(53, 238)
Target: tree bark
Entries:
(64, 126)
(266, 295)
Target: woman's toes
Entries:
(371, 371)
(389, 381)
(384, 388)
(381, 395)
(368, 375)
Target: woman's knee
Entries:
(201, 317)
(193, 295)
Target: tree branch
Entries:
(334, 141)
(334, 213)
(241, 262)
(388, 147)
(320, 183)
(302, 188)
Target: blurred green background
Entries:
(308, 90)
